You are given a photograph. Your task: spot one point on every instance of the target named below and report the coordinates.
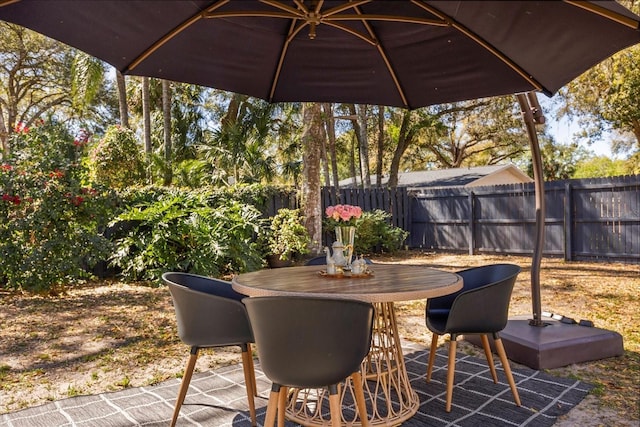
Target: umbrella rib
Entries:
(252, 14)
(8, 2)
(369, 39)
(383, 54)
(300, 13)
(609, 14)
(389, 18)
(293, 30)
(171, 34)
(345, 6)
(495, 52)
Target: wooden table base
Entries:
(390, 399)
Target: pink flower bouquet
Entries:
(343, 215)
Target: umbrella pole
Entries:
(532, 114)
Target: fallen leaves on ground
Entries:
(108, 335)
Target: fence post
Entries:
(406, 212)
(472, 224)
(568, 222)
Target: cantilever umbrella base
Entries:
(556, 344)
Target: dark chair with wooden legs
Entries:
(210, 313)
(481, 307)
(311, 343)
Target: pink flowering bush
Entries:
(51, 213)
(342, 215)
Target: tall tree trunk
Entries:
(313, 137)
(635, 125)
(352, 162)
(4, 136)
(8, 127)
(331, 143)
(380, 146)
(405, 138)
(166, 113)
(363, 145)
(146, 119)
(228, 122)
(323, 152)
(325, 164)
(231, 116)
(122, 100)
(353, 118)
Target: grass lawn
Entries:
(108, 335)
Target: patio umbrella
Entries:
(405, 53)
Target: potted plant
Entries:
(286, 237)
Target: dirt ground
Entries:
(108, 335)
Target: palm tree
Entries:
(166, 114)
(87, 78)
(313, 138)
(243, 146)
(122, 99)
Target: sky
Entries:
(563, 130)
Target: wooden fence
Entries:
(597, 219)
(395, 201)
(594, 219)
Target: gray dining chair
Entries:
(209, 313)
(306, 342)
(481, 307)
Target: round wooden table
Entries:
(390, 398)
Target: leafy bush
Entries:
(374, 232)
(49, 236)
(287, 234)
(117, 159)
(257, 195)
(183, 232)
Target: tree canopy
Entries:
(209, 136)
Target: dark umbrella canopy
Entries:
(398, 53)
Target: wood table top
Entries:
(386, 283)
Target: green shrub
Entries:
(51, 214)
(287, 234)
(183, 232)
(117, 159)
(374, 232)
(257, 195)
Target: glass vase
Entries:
(346, 235)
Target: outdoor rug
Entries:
(217, 398)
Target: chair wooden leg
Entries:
(487, 352)
(451, 370)
(507, 369)
(335, 407)
(432, 355)
(252, 370)
(272, 406)
(247, 367)
(184, 385)
(356, 380)
(282, 405)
